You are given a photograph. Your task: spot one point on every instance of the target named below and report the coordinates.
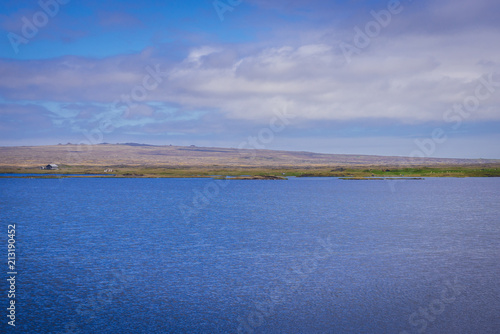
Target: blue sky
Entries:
(408, 78)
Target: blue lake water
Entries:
(307, 255)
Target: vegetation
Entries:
(175, 161)
(260, 172)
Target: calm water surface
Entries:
(307, 255)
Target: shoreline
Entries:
(252, 174)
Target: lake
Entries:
(306, 255)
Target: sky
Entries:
(413, 78)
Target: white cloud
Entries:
(410, 75)
(408, 78)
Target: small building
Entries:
(52, 167)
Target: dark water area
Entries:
(307, 255)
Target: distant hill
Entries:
(133, 144)
(132, 154)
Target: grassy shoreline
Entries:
(260, 172)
